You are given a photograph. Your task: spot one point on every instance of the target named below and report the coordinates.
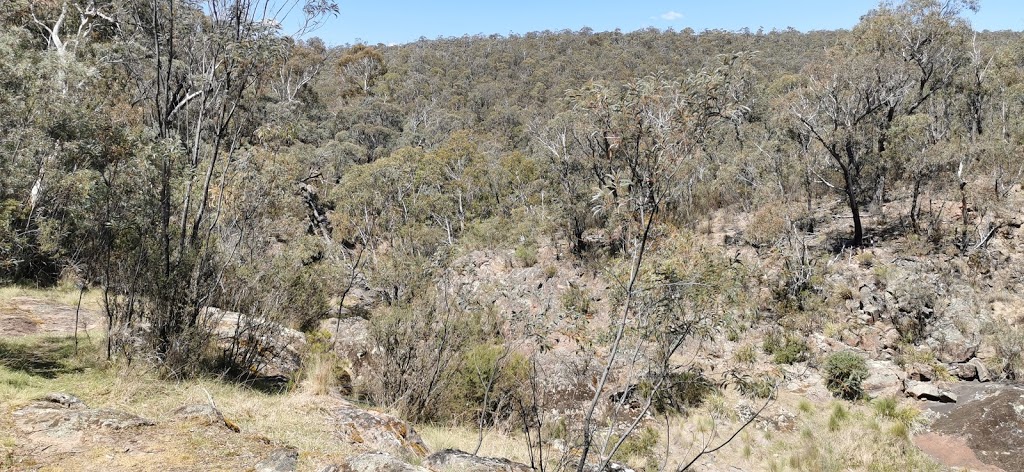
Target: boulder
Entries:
(952, 352)
(983, 374)
(884, 379)
(805, 382)
(965, 371)
(65, 400)
(377, 462)
(377, 431)
(453, 459)
(991, 422)
(928, 391)
(205, 415)
(277, 348)
(951, 346)
(920, 372)
(56, 419)
(350, 338)
(284, 459)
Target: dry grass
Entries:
(297, 419)
(838, 436)
(495, 444)
(91, 299)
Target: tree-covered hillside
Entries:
(568, 234)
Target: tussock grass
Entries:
(835, 436)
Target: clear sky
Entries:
(399, 21)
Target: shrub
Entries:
(759, 387)
(473, 378)
(680, 390)
(526, 254)
(767, 226)
(888, 407)
(785, 350)
(324, 373)
(550, 271)
(844, 374)
(745, 354)
(1009, 343)
(576, 301)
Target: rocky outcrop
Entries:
(988, 422)
(929, 391)
(884, 379)
(59, 414)
(376, 462)
(284, 459)
(205, 415)
(351, 339)
(376, 431)
(526, 292)
(277, 349)
(453, 459)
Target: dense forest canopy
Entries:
(180, 155)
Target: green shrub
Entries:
(759, 387)
(526, 254)
(469, 384)
(576, 301)
(680, 390)
(786, 349)
(745, 354)
(844, 373)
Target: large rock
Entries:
(990, 420)
(61, 414)
(920, 372)
(928, 391)
(983, 373)
(884, 379)
(276, 348)
(377, 431)
(284, 459)
(377, 462)
(453, 459)
(351, 339)
(955, 350)
(805, 382)
(966, 371)
(205, 415)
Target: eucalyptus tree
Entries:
(198, 70)
(638, 143)
(899, 59)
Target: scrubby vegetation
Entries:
(844, 373)
(580, 243)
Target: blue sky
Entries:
(399, 21)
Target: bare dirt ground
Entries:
(25, 315)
